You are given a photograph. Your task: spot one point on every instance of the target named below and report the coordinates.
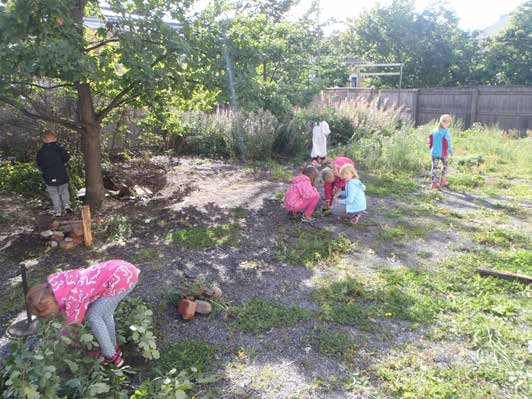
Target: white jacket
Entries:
(319, 139)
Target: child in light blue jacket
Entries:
(352, 201)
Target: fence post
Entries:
(414, 106)
(474, 107)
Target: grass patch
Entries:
(401, 231)
(6, 218)
(409, 377)
(465, 181)
(335, 344)
(502, 238)
(508, 261)
(390, 185)
(311, 247)
(206, 237)
(424, 254)
(258, 316)
(279, 172)
(185, 354)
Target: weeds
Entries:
(310, 248)
(206, 237)
(258, 316)
(186, 354)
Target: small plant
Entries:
(206, 237)
(5, 218)
(119, 228)
(258, 316)
(503, 238)
(310, 248)
(390, 185)
(463, 182)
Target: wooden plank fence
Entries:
(506, 107)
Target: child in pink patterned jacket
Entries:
(302, 194)
(95, 292)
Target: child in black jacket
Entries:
(52, 159)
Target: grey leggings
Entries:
(100, 316)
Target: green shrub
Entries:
(21, 178)
(253, 135)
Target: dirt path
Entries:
(283, 362)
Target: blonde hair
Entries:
(444, 118)
(327, 173)
(48, 136)
(348, 168)
(39, 298)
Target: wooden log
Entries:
(87, 230)
(505, 275)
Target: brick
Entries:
(67, 244)
(186, 309)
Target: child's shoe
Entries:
(435, 185)
(355, 219)
(307, 219)
(443, 182)
(68, 210)
(117, 359)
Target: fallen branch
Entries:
(505, 275)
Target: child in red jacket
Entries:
(332, 181)
(302, 194)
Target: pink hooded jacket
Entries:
(300, 192)
(338, 184)
(76, 289)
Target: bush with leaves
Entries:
(52, 365)
(20, 178)
(134, 325)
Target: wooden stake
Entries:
(505, 275)
(87, 230)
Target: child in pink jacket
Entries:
(302, 194)
(94, 292)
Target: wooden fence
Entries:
(506, 107)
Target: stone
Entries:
(214, 292)
(68, 239)
(203, 307)
(47, 234)
(58, 236)
(52, 243)
(186, 309)
(67, 244)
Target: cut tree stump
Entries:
(505, 275)
(87, 230)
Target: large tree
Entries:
(434, 50)
(133, 59)
(509, 54)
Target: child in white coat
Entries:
(320, 131)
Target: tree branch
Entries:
(40, 86)
(88, 49)
(117, 101)
(48, 118)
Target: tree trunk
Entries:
(91, 148)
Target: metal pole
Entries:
(25, 289)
